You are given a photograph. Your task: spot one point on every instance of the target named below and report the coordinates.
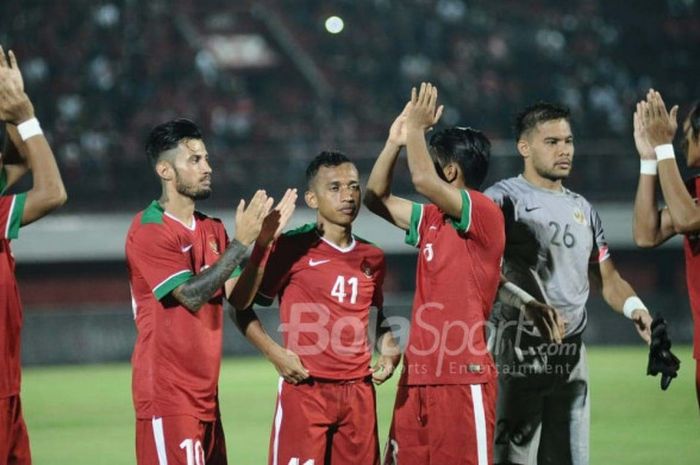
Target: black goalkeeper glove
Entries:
(661, 359)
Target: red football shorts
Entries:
(14, 441)
(319, 422)
(443, 424)
(180, 440)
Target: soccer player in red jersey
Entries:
(326, 279)
(654, 129)
(181, 266)
(445, 404)
(25, 149)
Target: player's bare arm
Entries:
(241, 295)
(287, 363)
(545, 317)
(378, 196)
(12, 160)
(652, 226)
(660, 127)
(201, 287)
(420, 116)
(47, 192)
(389, 351)
(618, 294)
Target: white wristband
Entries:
(29, 128)
(631, 304)
(648, 167)
(512, 295)
(664, 152)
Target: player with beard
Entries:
(181, 266)
(554, 245)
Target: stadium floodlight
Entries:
(334, 24)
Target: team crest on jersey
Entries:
(579, 217)
(366, 269)
(214, 246)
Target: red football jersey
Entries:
(325, 293)
(177, 355)
(692, 271)
(11, 210)
(457, 278)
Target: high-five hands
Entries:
(659, 125)
(15, 106)
(422, 111)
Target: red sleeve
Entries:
(422, 215)
(157, 256)
(486, 217)
(276, 273)
(11, 210)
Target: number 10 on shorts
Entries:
(194, 452)
(297, 461)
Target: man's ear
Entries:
(451, 172)
(165, 170)
(310, 199)
(523, 147)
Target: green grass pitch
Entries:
(83, 414)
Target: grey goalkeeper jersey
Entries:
(551, 239)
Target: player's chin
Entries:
(202, 194)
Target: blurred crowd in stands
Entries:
(102, 73)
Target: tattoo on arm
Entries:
(200, 288)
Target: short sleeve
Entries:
(486, 217)
(276, 273)
(159, 259)
(600, 251)
(496, 194)
(413, 233)
(465, 218)
(11, 211)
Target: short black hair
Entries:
(467, 147)
(325, 158)
(167, 135)
(540, 112)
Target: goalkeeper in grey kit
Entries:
(554, 245)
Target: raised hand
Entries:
(249, 220)
(644, 148)
(277, 219)
(15, 106)
(397, 131)
(659, 125)
(546, 320)
(421, 111)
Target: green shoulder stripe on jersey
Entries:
(172, 282)
(301, 230)
(236, 273)
(466, 220)
(152, 214)
(413, 235)
(15, 219)
(3, 180)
